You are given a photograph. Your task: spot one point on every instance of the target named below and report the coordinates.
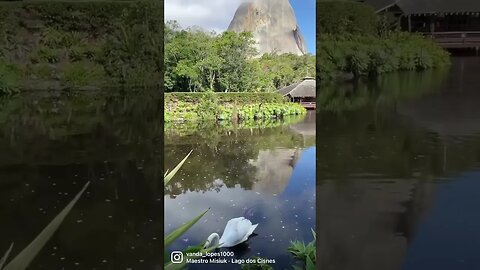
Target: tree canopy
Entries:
(197, 61)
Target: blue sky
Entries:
(305, 13)
(206, 14)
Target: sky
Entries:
(216, 15)
(306, 19)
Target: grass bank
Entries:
(355, 40)
(80, 45)
(235, 107)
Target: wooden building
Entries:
(303, 92)
(451, 23)
(432, 15)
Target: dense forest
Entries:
(197, 61)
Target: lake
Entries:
(399, 171)
(265, 173)
(50, 146)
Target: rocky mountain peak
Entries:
(273, 24)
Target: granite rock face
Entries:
(273, 24)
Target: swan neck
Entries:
(212, 240)
(214, 237)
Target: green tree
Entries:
(236, 50)
(199, 61)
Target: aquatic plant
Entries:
(256, 266)
(307, 253)
(269, 110)
(182, 229)
(170, 174)
(181, 107)
(26, 256)
(303, 252)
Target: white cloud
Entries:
(208, 14)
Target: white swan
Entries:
(237, 231)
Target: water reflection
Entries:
(397, 173)
(264, 174)
(274, 169)
(381, 92)
(50, 145)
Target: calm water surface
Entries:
(50, 146)
(399, 172)
(264, 174)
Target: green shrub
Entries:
(307, 253)
(10, 77)
(269, 110)
(345, 18)
(77, 53)
(54, 38)
(207, 108)
(353, 39)
(230, 97)
(80, 74)
(133, 53)
(47, 54)
(371, 55)
(227, 106)
(41, 71)
(66, 32)
(77, 16)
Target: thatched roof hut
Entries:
(300, 90)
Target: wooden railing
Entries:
(456, 39)
(308, 104)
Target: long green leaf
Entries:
(182, 229)
(170, 175)
(5, 257)
(315, 243)
(310, 264)
(25, 257)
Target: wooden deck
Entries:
(309, 105)
(456, 40)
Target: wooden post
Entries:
(399, 21)
(409, 23)
(433, 20)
